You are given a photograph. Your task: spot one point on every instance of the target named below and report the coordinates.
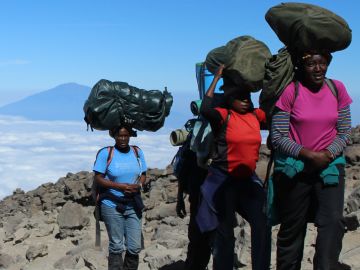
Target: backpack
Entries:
(183, 163)
(203, 141)
(97, 191)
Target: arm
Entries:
(342, 138)
(280, 135)
(101, 181)
(180, 203)
(206, 109)
(281, 142)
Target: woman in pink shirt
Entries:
(309, 132)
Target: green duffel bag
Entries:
(279, 72)
(305, 27)
(244, 58)
(111, 104)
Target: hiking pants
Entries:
(305, 198)
(247, 198)
(124, 229)
(199, 249)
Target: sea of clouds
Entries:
(36, 152)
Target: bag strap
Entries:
(330, 83)
(97, 210)
(136, 152)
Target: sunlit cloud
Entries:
(37, 152)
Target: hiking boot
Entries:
(131, 261)
(115, 262)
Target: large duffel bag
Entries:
(111, 104)
(305, 27)
(244, 58)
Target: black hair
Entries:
(116, 130)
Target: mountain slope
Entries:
(64, 102)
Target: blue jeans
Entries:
(124, 229)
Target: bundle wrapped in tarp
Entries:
(305, 27)
(244, 58)
(279, 72)
(112, 104)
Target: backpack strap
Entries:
(330, 83)
(135, 149)
(296, 92)
(97, 205)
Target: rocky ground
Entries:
(52, 227)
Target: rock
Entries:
(158, 256)
(352, 221)
(21, 235)
(352, 154)
(34, 252)
(5, 260)
(161, 211)
(72, 217)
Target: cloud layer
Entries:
(36, 152)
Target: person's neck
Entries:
(312, 87)
(123, 149)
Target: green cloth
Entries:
(291, 166)
(330, 175)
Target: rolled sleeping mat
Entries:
(195, 107)
(178, 137)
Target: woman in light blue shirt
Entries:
(120, 172)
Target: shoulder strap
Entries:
(136, 152)
(110, 156)
(97, 205)
(332, 87)
(296, 92)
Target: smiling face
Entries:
(314, 68)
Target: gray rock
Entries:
(72, 217)
(352, 154)
(5, 260)
(34, 252)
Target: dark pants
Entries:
(247, 198)
(302, 199)
(199, 249)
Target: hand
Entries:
(316, 161)
(219, 71)
(131, 188)
(180, 206)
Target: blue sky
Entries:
(150, 44)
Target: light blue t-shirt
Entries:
(124, 168)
